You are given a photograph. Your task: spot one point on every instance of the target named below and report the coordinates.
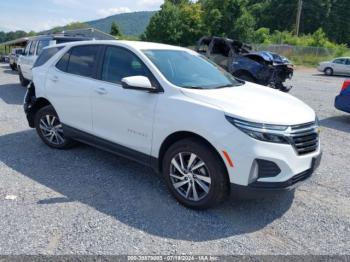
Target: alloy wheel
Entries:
(52, 130)
(190, 176)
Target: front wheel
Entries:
(50, 130)
(328, 71)
(195, 175)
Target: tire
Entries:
(24, 82)
(207, 168)
(49, 129)
(328, 71)
(13, 68)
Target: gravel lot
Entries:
(86, 201)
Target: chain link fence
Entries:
(303, 55)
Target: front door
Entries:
(28, 60)
(339, 66)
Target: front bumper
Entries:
(260, 188)
(282, 162)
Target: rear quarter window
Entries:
(82, 60)
(63, 63)
(46, 54)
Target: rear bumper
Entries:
(256, 189)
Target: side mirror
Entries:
(138, 83)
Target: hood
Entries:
(256, 103)
(272, 57)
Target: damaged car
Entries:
(264, 68)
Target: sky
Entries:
(38, 15)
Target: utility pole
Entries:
(300, 8)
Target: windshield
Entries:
(189, 70)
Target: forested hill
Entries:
(131, 24)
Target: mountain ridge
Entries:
(131, 24)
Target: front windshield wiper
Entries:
(193, 87)
(228, 85)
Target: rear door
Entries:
(122, 116)
(70, 84)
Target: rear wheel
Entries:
(328, 71)
(195, 175)
(50, 130)
(22, 80)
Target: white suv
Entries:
(172, 109)
(34, 48)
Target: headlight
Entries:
(262, 132)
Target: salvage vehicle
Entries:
(14, 55)
(264, 68)
(338, 66)
(174, 110)
(33, 49)
(342, 101)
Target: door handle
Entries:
(101, 91)
(54, 79)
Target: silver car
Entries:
(339, 66)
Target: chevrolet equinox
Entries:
(172, 109)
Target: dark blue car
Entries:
(342, 101)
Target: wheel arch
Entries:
(36, 106)
(180, 135)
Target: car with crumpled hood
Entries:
(264, 67)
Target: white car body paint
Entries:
(143, 120)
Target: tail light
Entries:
(345, 85)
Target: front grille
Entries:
(305, 138)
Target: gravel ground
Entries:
(86, 201)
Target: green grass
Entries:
(309, 60)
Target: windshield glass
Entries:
(189, 70)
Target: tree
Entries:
(115, 30)
(178, 22)
(337, 27)
(229, 18)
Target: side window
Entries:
(32, 48)
(63, 63)
(82, 60)
(339, 61)
(46, 55)
(119, 63)
(41, 45)
(347, 61)
(26, 50)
